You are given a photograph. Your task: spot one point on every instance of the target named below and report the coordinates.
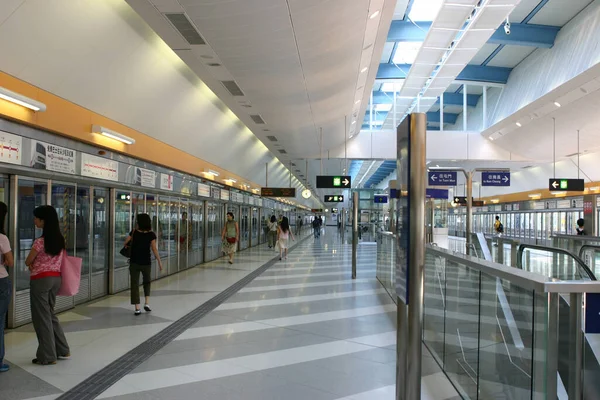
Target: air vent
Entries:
(282, 151)
(257, 119)
(272, 138)
(528, 166)
(213, 64)
(233, 88)
(185, 27)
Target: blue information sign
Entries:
(436, 193)
(442, 178)
(592, 313)
(495, 179)
(380, 199)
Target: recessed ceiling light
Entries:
(364, 70)
(557, 104)
(353, 122)
(519, 124)
(375, 14)
(357, 101)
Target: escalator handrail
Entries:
(586, 247)
(557, 250)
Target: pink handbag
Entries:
(70, 272)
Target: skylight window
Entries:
(406, 52)
(382, 107)
(390, 86)
(424, 10)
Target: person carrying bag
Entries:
(230, 236)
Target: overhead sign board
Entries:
(460, 200)
(492, 178)
(564, 185)
(333, 182)
(436, 193)
(316, 210)
(442, 178)
(334, 198)
(380, 199)
(278, 192)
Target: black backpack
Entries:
(501, 228)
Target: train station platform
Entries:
(302, 328)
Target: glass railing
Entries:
(495, 329)
(553, 262)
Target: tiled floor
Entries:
(302, 330)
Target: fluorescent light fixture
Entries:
(353, 122)
(374, 15)
(211, 172)
(495, 201)
(112, 134)
(519, 124)
(21, 100)
(364, 70)
(557, 104)
(357, 101)
(230, 180)
(406, 52)
(533, 195)
(595, 188)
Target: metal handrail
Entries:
(586, 247)
(524, 279)
(556, 250)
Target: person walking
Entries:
(272, 235)
(283, 234)
(7, 261)
(142, 240)
(316, 227)
(45, 262)
(230, 236)
(581, 227)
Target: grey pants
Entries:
(272, 237)
(51, 338)
(134, 272)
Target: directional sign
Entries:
(316, 210)
(380, 199)
(563, 185)
(278, 192)
(334, 198)
(460, 200)
(436, 193)
(442, 178)
(495, 178)
(334, 182)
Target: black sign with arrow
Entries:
(333, 182)
(334, 198)
(564, 185)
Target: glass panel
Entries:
(506, 323)
(255, 226)
(183, 235)
(197, 235)
(138, 206)
(100, 231)
(63, 200)
(173, 240)
(123, 226)
(552, 264)
(82, 221)
(244, 224)
(162, 230)
(434, 304)
(30, 194)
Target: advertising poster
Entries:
(166, 182)
(145, 177)
(52, 158)
(203, 190)
(10, 148)
(100, 168)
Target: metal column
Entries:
(576, 346)
(354, 232)
(469, 222)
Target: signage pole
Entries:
(354, 231)
(469, 176)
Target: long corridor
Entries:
(302, 329)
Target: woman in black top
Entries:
(142, 240)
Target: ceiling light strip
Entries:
(21, 100)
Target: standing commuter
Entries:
(283, 235)
(498, 227)
(580, 228)
(142, 240)
(298, 225)
(316, 228)
(5, 285)
(45, 262)
(272, 235)
(230, 236)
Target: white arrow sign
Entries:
(505, 178)
(434, 178)
(554, 184)
(345, 182)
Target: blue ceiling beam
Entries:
(469, 73)
(449, 118)
(529, 35)
(407, 31)
(454, 99)
(521, 34)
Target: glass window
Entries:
(82, 227)
(123, 225)
(163, 228)
(30, 194)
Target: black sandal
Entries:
(38, 362)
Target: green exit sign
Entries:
(562, 185)
(337, 181)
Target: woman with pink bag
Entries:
(45, 261)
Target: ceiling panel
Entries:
(483, 54)
(511, 56)
(523, 10)
(387, 52)
(559, 12)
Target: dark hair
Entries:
(144, 222)
(273, 218)
(3, 212)
(54, 241)
(230, 213)
(580, 222)
(285, 224)
(497, 217)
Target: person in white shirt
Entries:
(5, 284)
